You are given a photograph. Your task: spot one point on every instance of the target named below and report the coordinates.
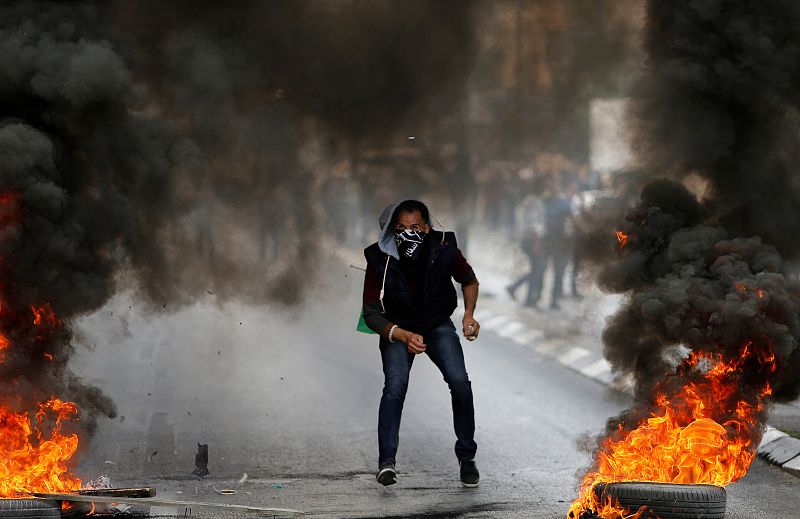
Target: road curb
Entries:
(776, 448)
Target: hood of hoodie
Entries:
(386, 242)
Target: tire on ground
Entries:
(667, 500)
(30, 509)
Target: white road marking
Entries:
(546, 347)
(573, 354)
(496, 322)
(596, 368)
(511, 329)
(528, 337)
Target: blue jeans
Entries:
(444, 349)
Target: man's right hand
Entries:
(413, 341)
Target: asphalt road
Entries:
(290, 398)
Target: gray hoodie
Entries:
(386, 241)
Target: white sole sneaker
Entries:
(387, 476)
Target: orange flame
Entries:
(741, 287)
(4, 344)
(33, 450)
(622, 238)
(45, 314)
(30, 461)
(681, 442)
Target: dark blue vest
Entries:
(440, 299)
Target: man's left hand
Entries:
(471, 327)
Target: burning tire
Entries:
(666, 500)
(29, 509)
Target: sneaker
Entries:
(386, 475)
(470, 477)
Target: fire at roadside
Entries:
(709, 328)
(34, 347)
(714, 319)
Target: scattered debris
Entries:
(277, 485)
(101, 488)
(201, 461)
(151, 501)
(152, 454)
(118, 492)
(225, 491)
(243, 478)
(109, 462)
(102, 482)
(120, 508)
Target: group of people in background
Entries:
(545, 219)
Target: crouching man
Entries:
(409, 298)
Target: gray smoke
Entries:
(165, 148)
(253, 83)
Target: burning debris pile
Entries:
(34, 349)
(73, 159)
(709, 332)
(709, 329)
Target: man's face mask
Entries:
(409, 244)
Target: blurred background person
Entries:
(557, 239)
(530, 216)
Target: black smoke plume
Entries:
(259, 85)
(83, 180)
(171, 148)
(719, 101)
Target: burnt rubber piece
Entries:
(30, 509)
(667, 500)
